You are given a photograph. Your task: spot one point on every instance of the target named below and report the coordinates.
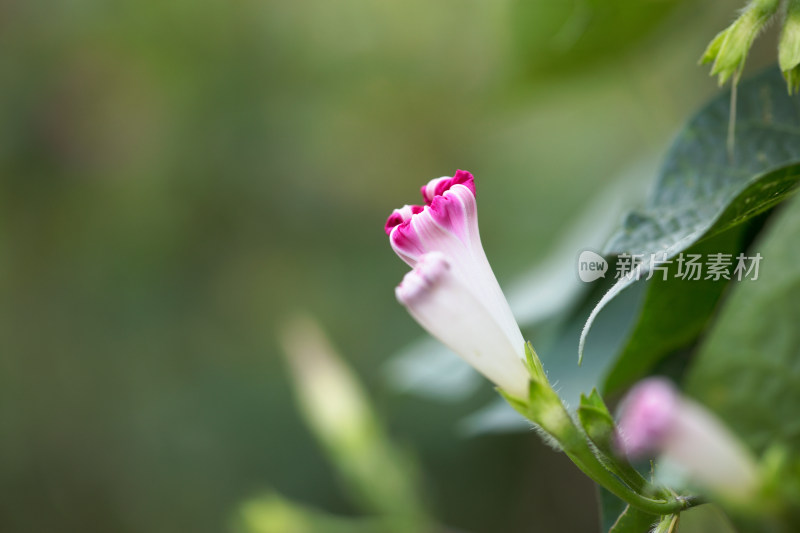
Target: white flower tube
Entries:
(447, 309)
(452, 291)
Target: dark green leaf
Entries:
(632, 520)
(610, 508)
(702, 189)
(617, 517)
(748, 370)
(673, 314)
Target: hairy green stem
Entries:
(544, 407)
(583, 457)
(554, 419)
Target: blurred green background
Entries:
(180, 177)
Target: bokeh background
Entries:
(180, 178)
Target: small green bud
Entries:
(789, 46)
(728, 50)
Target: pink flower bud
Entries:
(656, 420)
(452, 291)
(648, 415)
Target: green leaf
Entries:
(748, 370)
(667, 524)
(674, 313)
(706, 518)
(703, 190)
(617, 517)
(610, 508)
(632, 520)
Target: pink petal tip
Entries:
(439, 186)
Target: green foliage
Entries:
(748, 370)
(610, 508)
(703, 189)
(177, 174)
(617, 517)
(674, 313)
(632, 520)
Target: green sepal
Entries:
(520, 406)
(598, 424)
(596, 420)
(792, 78)
(534, 363)
(713, 47)
(545, 409)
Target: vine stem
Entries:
(545, 409)
(588, 463)
(573, 442)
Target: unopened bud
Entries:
(728, 50)
(657, 420)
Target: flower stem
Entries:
(583, 457)
(544, 408)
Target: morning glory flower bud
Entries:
(656, 420)
(452, 291)
(728, 50)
